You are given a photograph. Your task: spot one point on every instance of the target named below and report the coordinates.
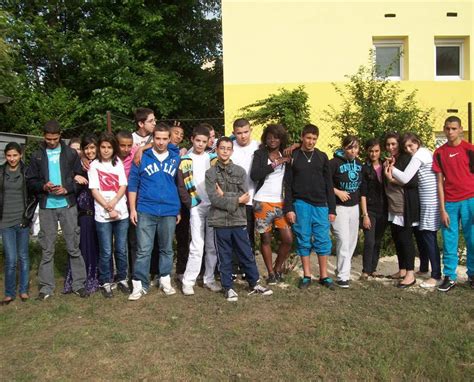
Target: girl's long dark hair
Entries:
(110, 138)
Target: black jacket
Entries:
(373, 190)
(30, 201)
(310, 181)
(37, 174)
(260, 169)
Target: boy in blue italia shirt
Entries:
(154, 208)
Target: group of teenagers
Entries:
(121, 201)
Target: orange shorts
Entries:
(268, 215)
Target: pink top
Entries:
(378, 171)
(127, 161)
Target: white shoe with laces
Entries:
(258, 289)
(231, 295)
(138, 291)
(165, 285)
(188, 290)
(213, 286)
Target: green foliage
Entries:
(117, 57)
(37, 107)
(372, 106)
(287, 107)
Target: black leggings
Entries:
(403, 239)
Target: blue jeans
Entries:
(15, 247)
(462, 211)
(112, 235)
(147, 226)
(231, 240)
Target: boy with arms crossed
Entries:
(311, 205)
(225, 186)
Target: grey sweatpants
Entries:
(49, 218)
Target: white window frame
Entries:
(391, 44)
(454, 42)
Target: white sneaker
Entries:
(188, 290)
(165, 285)
(138, 291)
(258, 289)
(429, 284)
(231, 295)
(213, 286)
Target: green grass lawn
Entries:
(370, 332)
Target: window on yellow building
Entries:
(388, 59)
(449, 59)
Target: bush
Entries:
(373, 105)
(288, 107)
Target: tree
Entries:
(372, 106)
(114, 56)
(287, 107)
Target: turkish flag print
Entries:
(108, 182)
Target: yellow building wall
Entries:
(274, 44)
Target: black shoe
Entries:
(106, 290)
(279, 277)
(122, 286)
(234, 276)
(342, 284)
(304, 283)
(327, 282)
(271, 279)
(406, 286)
(447, 284)
(43, 296)
(82, 293)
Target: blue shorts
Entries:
(312, 229)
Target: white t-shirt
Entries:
(201, 163)
(243, 156)
(270, 191)
(108, 179)
(139, 141)
(161, 157)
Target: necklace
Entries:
(311, 157)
